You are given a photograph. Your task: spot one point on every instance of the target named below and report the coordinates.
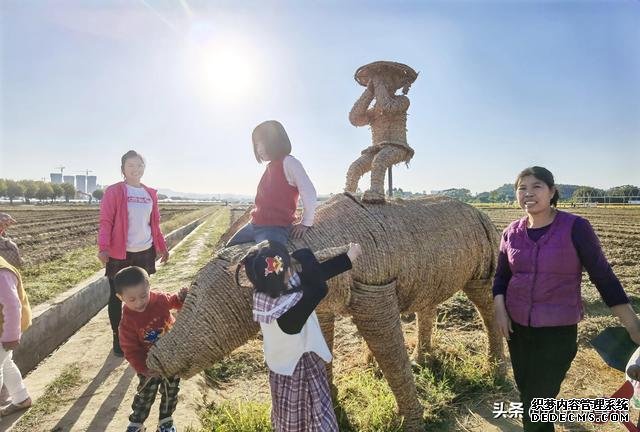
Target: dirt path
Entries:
(102, 401)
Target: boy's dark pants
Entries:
(541, 357)
(146, 395)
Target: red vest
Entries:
(276, 200)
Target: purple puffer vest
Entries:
(544, 290)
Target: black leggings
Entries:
(541, 357)
(145, 259)
(114, 307)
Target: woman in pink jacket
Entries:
(129, 231)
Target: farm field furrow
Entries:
(618, 230)
(45, 233)
(62, 252)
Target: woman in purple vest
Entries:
(537, 289)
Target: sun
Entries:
(223, 66)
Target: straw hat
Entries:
(403, 75)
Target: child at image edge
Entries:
(15, 317)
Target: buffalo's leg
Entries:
(377, 316)
(426, 318)
(327, 324)
(479, 292)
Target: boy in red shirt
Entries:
(146, 316)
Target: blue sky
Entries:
(503, 85)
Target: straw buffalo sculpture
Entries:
(417, 254)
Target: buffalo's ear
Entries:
(245, 284)
(239, 275)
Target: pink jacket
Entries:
(10, 307)
(114, 221)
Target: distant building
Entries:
(91, 184)
(70, 179)
(81, 183)
(56, 178)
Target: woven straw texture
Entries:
(388, 120)
(416, 254)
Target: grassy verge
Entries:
(56, 394)
(185, 218)
(240, 365)
(210, 231)
(457, 376)
(192, 253)
(221, 226)
(245, 416)
(46, 280)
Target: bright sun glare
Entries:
(222, 65)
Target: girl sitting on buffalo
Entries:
(283, 182)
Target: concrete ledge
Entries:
(56, 321)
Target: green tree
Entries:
(566, 191)
(3, 187)
(14, 190)
(483, 197)
(588, 193)
(30, 189)
(497, 196)
(623, 192)
(463, 195)
(506, 192)
(45, 191)
(68, 190)
(98, 194)
(58, 191)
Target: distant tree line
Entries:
(618, 194)
(506, 193)
(45, 191)
(39, 190)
